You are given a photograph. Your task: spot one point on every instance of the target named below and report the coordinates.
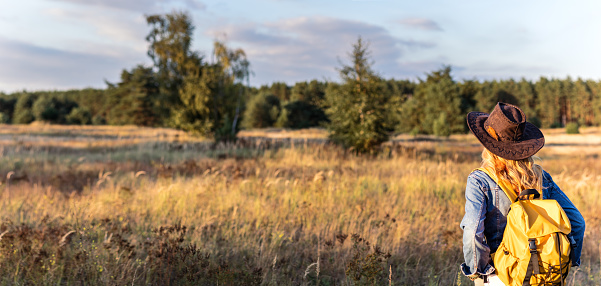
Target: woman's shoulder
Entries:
(547, 176)
(480, 178)
(479, 174)
(547, 179)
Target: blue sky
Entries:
(62, 44)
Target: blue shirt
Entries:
(486, 209)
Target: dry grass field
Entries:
(142, 206)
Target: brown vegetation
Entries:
(253, 213)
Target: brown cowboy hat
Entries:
(505, 132)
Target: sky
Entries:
(66, 44)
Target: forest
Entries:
(209, 94)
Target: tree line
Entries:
(210, 95)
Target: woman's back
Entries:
(487, 206)
(510, 143)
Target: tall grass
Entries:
(308, 215)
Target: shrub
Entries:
(7, 107)
(79, 115)
(24, 117)
(262, 111)
(44, 109)
(301, 114)
(283, 121)
(4, 118)
(98, 120)
(441, 126)
(555, 125)
(224, 131)
(572, 128)
(22, 113)
(51, 108)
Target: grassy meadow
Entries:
(142, 206)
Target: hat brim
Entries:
(532, 139)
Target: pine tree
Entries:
(357, 108)
(135, 99)
(439, 101)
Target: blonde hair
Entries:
(520, 174)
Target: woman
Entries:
(509, 143)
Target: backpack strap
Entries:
(560, 265)
(507, 188)
(525, 194)
(533, 267)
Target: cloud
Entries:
(119, 26)
(485, 70)
(107, 33)
(306, 48)
(110, 22)
(27, 66)
(92, 40)
(146, 6)
(421, 23)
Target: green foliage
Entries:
(549, 105)
(282, 121)
(90, 98)
(44, 109)
(555, 125)
(211, 104)
(262, 111)
(23, 117)
(208, 96)
(301, 105)
(534, 120)
(399, 93)
(281, 90)
(301, 114)
(233, 68)
(79, 115)
(441, 101)
(197, 101)
(435, 107)
(225, 132)
(357, 108)
(441, 126)
(23, 113)
(410, 117)
(468, 90)
(572, 128)
(170, 39)
(4, 118)
(52, 108)
(135, 100)
(201, 97)
(7, 107)
(98, 120)
(312, 92)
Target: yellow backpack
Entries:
(535, 249)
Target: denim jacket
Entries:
(486, 209)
